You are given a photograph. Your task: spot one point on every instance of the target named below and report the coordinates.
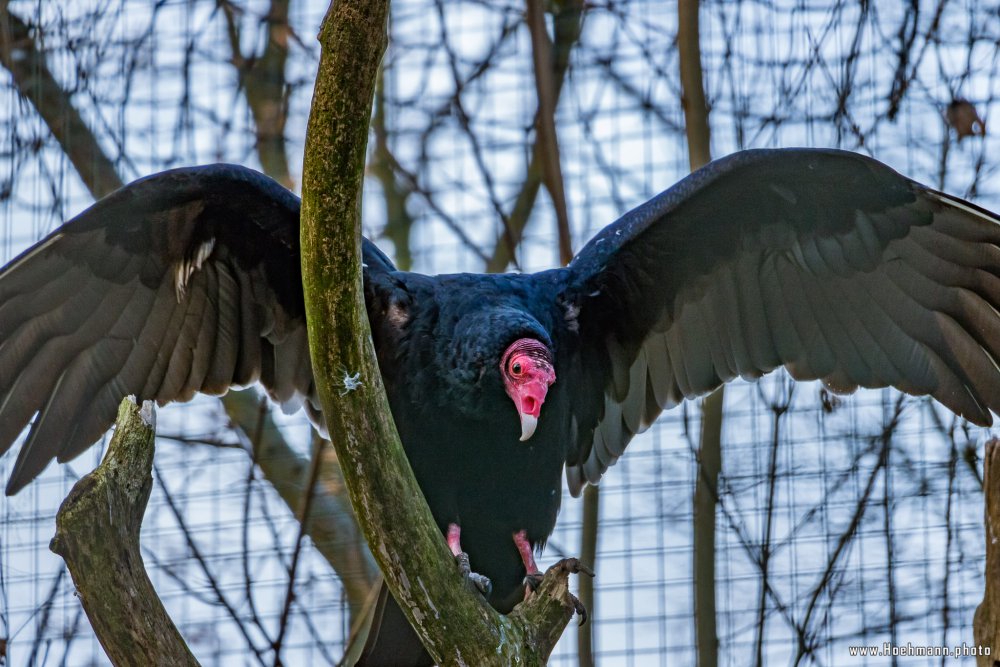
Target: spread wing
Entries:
(182, 282)
(825, 262)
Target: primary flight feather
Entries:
(822, 261)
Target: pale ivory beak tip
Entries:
(528, 424)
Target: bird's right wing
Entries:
(825, 262)
(182, 282)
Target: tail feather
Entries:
(391, 641)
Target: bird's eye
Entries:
(516, 368)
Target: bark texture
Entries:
(97, 534)
(986, 623)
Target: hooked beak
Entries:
(527, 372)
(528, 425)
(530, 397)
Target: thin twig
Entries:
(206, 570)
(307, 500)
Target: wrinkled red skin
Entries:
(527, 374)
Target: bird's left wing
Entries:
(182, 282)
(823, 261)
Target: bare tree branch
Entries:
(220, 597)
(568, 23)
(319, 444)
(97, 534)
(706, 494)
(588, 554)
(332, 526)
(986, 624)
(335, 531)
(398, 221)
(263, 80)
(546, 124)
(20, 55)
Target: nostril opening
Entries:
(528, 404)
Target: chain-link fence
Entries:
(841, 521)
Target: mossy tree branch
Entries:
(456, 626)
(97, 534)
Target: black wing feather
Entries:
(185, 281)
(824, 261)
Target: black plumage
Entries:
(823, 261)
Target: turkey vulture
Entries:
(825, 262)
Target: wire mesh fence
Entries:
(841, 521)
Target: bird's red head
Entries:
(526, 368)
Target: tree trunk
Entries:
(710, 450)
(986, 623)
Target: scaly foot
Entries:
(473, 580)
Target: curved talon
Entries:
(533, 580)
(475, 581)
(574, 566)
(482, 584)
(580, 610)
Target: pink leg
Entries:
(527, 554)
(454, 538)
(481, 583)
